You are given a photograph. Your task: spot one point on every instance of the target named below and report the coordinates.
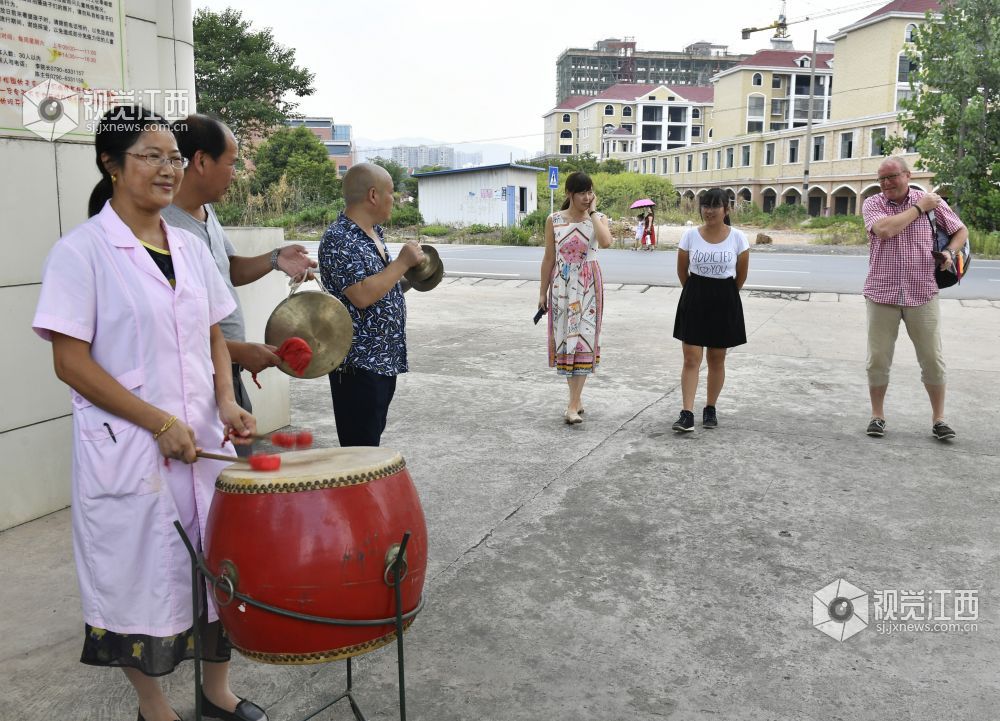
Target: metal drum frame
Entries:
(200, 571)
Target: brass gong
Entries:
(428, 273)
(320, 320)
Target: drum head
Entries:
(314, 469)
(320, 320)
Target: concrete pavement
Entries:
(614, 570)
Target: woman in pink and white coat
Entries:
(131, 307)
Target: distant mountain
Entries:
(493, 153)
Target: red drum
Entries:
(315, 538)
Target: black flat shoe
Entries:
(245, 711)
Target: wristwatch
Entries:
(274, 258)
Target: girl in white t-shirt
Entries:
(712, 264)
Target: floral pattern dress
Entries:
(576, 298)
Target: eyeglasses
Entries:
(158, 161)
(888, 178)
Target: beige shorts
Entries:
(922, 325)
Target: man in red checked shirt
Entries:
(901, 286)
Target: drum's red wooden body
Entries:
(313, 538)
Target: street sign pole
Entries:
(553, 185)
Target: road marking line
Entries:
(773, 287)
(492, 260)
(474, 274)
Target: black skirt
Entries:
(153, 655)
(710, 313)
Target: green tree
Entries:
(954, 120)
(243, 76)
(616, 192)
(300, 156)
(587, 162)
(397, 171)
(410, 184)
(613, 167)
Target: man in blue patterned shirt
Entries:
(355, 266)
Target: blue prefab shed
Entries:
(489, 195)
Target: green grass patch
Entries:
(435, 231)
(827, 221)
(513, 235)
(985, 244)
(480, 229)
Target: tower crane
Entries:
(780, 26)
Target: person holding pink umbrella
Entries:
(649, 231)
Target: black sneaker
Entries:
(876, 427)
(708, 417)
(684, 423)
(942, 431)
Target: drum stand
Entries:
(200, 570)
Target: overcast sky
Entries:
(456, 71)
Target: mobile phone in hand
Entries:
(539, 314)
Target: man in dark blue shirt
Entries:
(355, 266)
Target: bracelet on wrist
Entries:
(919, 210)
(165, 428)
(274, 258)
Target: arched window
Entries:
(695, 113)
(609, 128)
(908, 35)
(757, 79)
(565, 117)
(565, 134)
(711, 131)
(609, 109)
(627, 112)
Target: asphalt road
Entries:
(769, 270)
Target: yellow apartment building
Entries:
(562, 125)
(754, 136)
(627, 119)
(856, 95)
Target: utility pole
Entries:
(809, 125)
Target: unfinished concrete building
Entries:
(580, 71)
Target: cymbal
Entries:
(428, 273)
(320, 320)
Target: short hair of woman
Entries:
(577, 182)
(117, 131)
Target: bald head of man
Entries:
(368, 189)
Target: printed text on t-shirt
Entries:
(712, 263)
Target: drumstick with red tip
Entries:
(299, 441)
(258, 461)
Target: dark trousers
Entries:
(243, 401)
(360, 405)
